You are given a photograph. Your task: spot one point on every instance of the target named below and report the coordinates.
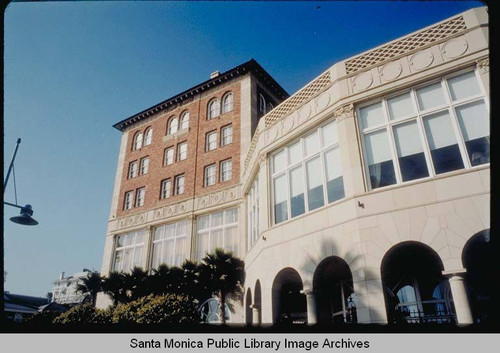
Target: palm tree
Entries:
(224, 275)
(91, 285)
(135, 284)
(114, 286)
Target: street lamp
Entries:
(26, 211)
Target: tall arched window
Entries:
(213, 109)
(173, 125)
(148, 136)
(227, 102)
(137, 141)
(184, 120)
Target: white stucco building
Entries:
(65, 289)
(363, 197)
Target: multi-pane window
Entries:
(184, 120)
(307, 174)
(179, 184)
(227, 103)
(166, 186)
(132, 170)
(211, 142)
(218, 230)
(209, 175)
(137, 144)
(182, 149)
(226, 170)
(226, 135)
(170, 244)
(169, 156)
(129, 251)
(144, 165)
(253, 213)
(139, 197)
(173, 125)
(148, 136)
(128, 200)
(428, 130)
(213, 109)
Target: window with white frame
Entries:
(213, 109)
(182, 149)
(179, 184)
(148, 136)
(217, 230)
(209, 175)
(128, 200)
(227, 102)
(129, 251)
(211, 141)
(139, 197)
(132, 170)
(144, 165)
(170, 244)
(184, 120)
(425, 131)
(226, 135)
(137, 144)
(226, 170)
(253, 213)
(166, 186)
(169, 156)
(173, 125)
(307, 174)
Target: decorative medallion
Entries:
(322, 101)
(391, 71)
(362, 81)
(454, 48)
(421, 59)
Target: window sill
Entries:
(175, 136)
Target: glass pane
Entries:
(120, 241)
(158, 233)
(138, 257)
(203, 245)
(329, 134)
(297, 192)
(279, 161)
(430, 96)
(230, 238)
(168, 251)
(463, 86)
(379, 158)
(410, 152)
(280, 199)
(314, 184)
(231, 216)
(372, 115)
(400, 106)
(216, 239)
(180, 251)
(443, 143)
(181, 228)
(217, 219)
(475, 126)
(118, 261)
(311, 143)
(295, 153)
(156, 255)
(169, 230)
(203, 222)
(334, 179)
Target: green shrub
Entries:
(84, 314)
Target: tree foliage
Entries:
(91, 285)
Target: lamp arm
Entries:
(13, 205)
(11, 165)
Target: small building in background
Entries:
(65, 289)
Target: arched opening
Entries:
(477, 258)
(257, 301)
(210, 312)
(334, 293)
(248, 307)
(414, 287)
(289, 304)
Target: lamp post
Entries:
(26, 211)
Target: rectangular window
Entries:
(211, 141)
(169, 156)
(426, 131)
(226, 170)
(253, 213)
(179, 184)
(144, 165)
(217, 230)
(132, 170)
(182, 149)
(170, 244)
(129, 251)
(226, 135)
(307, 173)
(140, 196)
(128, 200)
(209, 175)
(166, 186)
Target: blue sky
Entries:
(73, 69)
